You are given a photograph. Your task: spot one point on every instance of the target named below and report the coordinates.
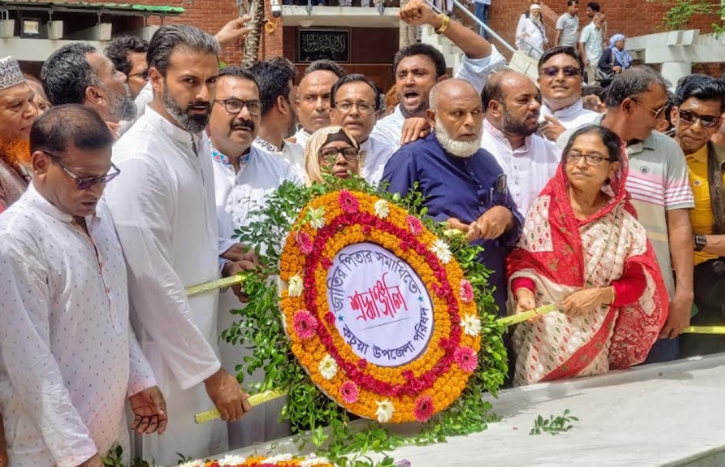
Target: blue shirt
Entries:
(463, 188)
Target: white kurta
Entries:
(573, 116)
(236, 194)
(163, 208)
(301, 138)
(70, 358)
(291, 152)
(528, 169)
(375, 155)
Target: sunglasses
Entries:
(84, 183)
(569, 71)
(330, 154)
(707, 121)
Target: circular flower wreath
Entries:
(411, 392)
(284, 460)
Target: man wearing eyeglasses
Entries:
(699, 105)
(71, 359)
(659, 185)
(128, 54)
(354, 107)
(275, 78)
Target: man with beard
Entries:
(354, 107)
(462, 183)
(17, 114)
(511, 103)
(697, 116)
(659, 186)
(561, 76)
(164, 211)
(275, 78)
(128, 54)
(243, 176)
(78, 74)
(419, 67)
(313, 98)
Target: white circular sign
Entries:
(381, 307)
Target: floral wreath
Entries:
(284, 460)
(416, 390)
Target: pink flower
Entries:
(348, 202)
(466, 358)
(362, 363)
(304, 242)
(330, 318)
(349, 392)
(423, 408)
(414, 225)
(305, 324)
(466, 291)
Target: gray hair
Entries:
(168, 38)
(630, 82)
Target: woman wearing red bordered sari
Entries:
(584, 251)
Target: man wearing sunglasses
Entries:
(71, 357)
(699, 104)
(659, 185)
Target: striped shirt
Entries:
(658, 182)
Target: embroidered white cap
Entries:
(10, 73)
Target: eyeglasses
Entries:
(144, 75)
(330, 154)
(84, 183)
(569, 71)
(657, 112)
(234, 106)
(573, 157)
(363, 107)
(707, 121)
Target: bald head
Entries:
(451, 88)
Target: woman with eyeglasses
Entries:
(331, 151)
(613, 61)
(584, 252)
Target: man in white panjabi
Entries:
(313, 98)
(275, 78)
(163, 208)
(354, 107)
(243, 176)
(70, 358)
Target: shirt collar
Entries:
(701, 154)
(37, 201)
(267, 146)
(498, 135)
(225, 161)
(571, 111)
(171, 130)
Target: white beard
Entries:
(463, 149)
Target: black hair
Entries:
(702, 87)
(630, 82)
(238, 72)
(118, 49)
(571, 2)
(594, 6)
(562, 49)
(610, 140)
(422, 49)
(273, 78)
(594, 90)
(354, 78)
(168, 38)
(70, 125)
(324, 65)
(66, 74)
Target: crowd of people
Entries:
(124, 175)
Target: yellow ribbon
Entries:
(705, 330)
(256, 399)
(214, 285)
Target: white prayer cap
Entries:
(10, 73)
(534, 6)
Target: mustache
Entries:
(243, 125)
(206, 105)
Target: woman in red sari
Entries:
(584, 251)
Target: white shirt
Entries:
(528, 169)
(236, 194)
(476, 71)
(165, 215)
(142, 100)
(592, 39)
(301, 138)
(376, 156)
(291, 152)
(70, 357)
(529, 35)
(573, 116)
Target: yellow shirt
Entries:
(701, 217)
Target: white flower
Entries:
(231, 461)
(385, 411)
(441, 250)
(316, 217)
(279, 458)
(295, 286)
(193, 464)
(328, 367)
(382, 209)
(471, 325)
(313, 461)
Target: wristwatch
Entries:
(700, 242)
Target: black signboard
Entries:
(316, 44)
